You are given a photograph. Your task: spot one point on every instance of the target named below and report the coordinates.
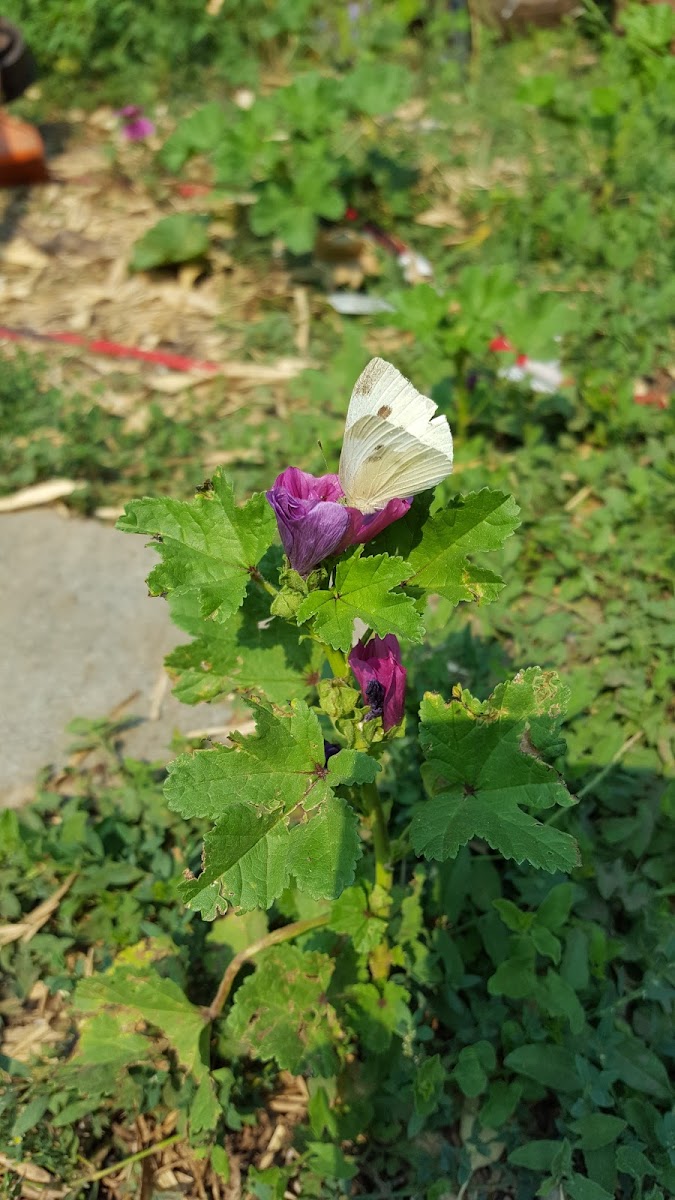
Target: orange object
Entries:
(22, 153)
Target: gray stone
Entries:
(78, 636)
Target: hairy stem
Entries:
(263, 583)
(271, 939)
(381, 843)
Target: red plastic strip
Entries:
(163, 358)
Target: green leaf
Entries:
(439, 554)
(275, 812)
(513, 917)
(351, 915)
(428, 1085)
(207, 545)
(364, 588)
(243, 656)
(486, 779)
(536, 1156)
(546, 943)
(158, 1001)
(378, 1013)
(558, 999)
(472, 1066)
(174, 239)
(376, 91)
(281, 1012)
(351, 767)
(633, 1162)
(198, 133)
(328, 1161)
(580, 1188)
(596, 1130)
(547, 1064)
(638, 1067)
(555, 909)
(205, 1110)
(103, 1040)
(501, 1102)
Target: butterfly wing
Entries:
(393, 446)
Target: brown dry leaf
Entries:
(38, 494)
(171, 385)
(22, 253)
(441, 215)
(33, 921)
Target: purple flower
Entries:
(135, 127)
(364, 526)
(314, 523)
(311, 522)
(381, 677)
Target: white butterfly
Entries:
(393, 445)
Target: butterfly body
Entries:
(394, 445)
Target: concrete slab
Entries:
(78, 635)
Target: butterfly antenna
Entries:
(325, 460)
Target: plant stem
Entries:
(271, 939)
(126, 1162)
(264, 583)
(381, 844)
(337, 662)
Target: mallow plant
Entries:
(309, 816)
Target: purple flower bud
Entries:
(313, 523)
(381, 677)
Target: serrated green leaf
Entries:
(351, 915)
(364, 588)
(324, 849)
(207, 545)
(155, 999)
(243, 656)
(471, 524)
(275, 812)
(486, 779)
(281, 1012)
(350, 767)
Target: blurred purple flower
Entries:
(381, 677)
(313, 523)
(135, 125)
